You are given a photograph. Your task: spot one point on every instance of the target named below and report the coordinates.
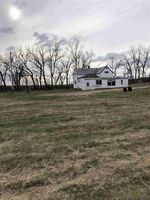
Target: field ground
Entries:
(72, 145)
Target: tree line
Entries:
(135, 63)
(46, 66)
(43, 65)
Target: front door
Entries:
(87, 85)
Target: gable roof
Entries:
(101, 69)
(88, 71)
(89, 76)
(106, 67)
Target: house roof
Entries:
(88, 71)
(120, 77)
(89, 76)
(94, 76)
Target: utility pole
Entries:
(11, 60)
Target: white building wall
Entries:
(82, 83)
(103, 74)
(125, 83)
(76, 83)
(93, 86)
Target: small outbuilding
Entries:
(97, 78)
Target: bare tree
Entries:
(29, 70)
(3, 71)
(16, 70)
(38, 59)
(145, 61)
(136, 60)
(114, 64)
(87, 58)
(13, 69)
(127, 63)
(59, 76)
(53, 59)
(136, 55)
(74, 48)
(67, 63)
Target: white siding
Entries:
(117, 85)
(82, 84)
(105, 77)
(125, 83)
(104, 73)
(75, 79)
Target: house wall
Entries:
(118, 83)
(82, 83)
(103, 74)
(75, 79)
(125, 83)
(93, 86)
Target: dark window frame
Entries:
(108, 83)
(98, 82)
(111, 83)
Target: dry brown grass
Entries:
(75, 145)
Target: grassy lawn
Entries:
(73, 145)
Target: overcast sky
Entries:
(103, 25)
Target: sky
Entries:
(106, 26)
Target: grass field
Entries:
(72, 145)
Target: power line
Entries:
(82, 19)
(110, 19)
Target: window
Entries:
(106, 72)
(98, 82)
(111, 83)
(87, 84)
(75, 82)
(121, 82)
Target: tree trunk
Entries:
(3, 80)
(45, 82)
(67, 81)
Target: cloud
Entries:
(7, 30)
(100, 24)
(11, 48)
(63, 41)
(41, 38)
(113, 55)
(20, 4)
(48, 38)
(108, 57)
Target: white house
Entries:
(97, 78)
